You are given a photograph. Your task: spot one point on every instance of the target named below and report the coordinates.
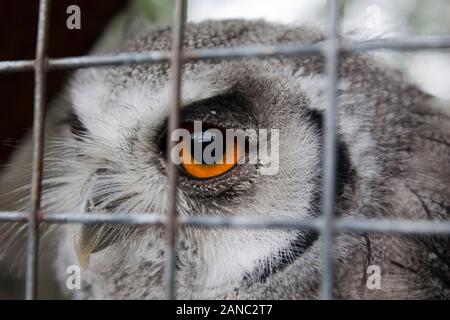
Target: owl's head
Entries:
(108, 152)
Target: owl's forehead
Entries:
(267, 84)
(214, 34)
(223, 33)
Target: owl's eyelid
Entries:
(230, 109)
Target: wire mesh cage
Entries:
(325, 223)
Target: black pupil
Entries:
(199, 142)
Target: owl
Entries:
(106, 152)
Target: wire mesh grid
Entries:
(325, 223)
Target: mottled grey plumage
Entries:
(394, 162)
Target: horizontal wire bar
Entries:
(397, 226)
(358, 225)
(251, 222)
(260, 51)
(13, 216)
(101, 218)
(109, 60)
(16, 65)
(401, 44)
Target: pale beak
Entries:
(89, 239)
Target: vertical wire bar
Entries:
(329, 169)
(38, 148)
(174, 120)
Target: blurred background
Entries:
(362, 19)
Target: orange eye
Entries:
(197, 168)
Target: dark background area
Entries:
(18, 24)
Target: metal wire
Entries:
(174, 122)
(38, 147)
(326, 223)
(392, 226)
(238, 52)
(329, 166)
